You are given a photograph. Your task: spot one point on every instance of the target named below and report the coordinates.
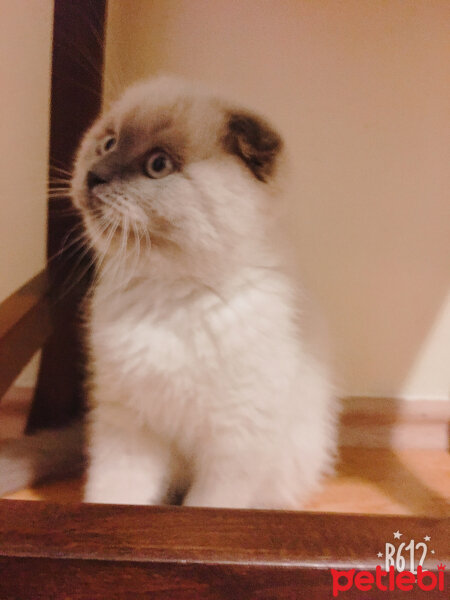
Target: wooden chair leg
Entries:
(78, 32)
(59, 393)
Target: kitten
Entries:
(200, 380)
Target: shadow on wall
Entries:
(384, 307)
(384, 467)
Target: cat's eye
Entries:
(158, 165)
(109, 143)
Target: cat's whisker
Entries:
(115, 266)
(124, 249)
(67, 237)
(147, 239)
(90, 264)
(58, 181)
(82, 236)
(83, 60)
(109, 237)
(69, 249)
(59, 192)
(58, 186)
(88, 250)
(110, 76)
(61, 172)
(97, 37)
(55, 171)
(137, 246)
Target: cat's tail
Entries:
(45, 454)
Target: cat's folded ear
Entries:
(254, 141)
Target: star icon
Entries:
(427, 538)
(380, 554)
(397, 535)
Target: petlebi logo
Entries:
(401, 569)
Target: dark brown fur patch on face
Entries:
(139, 136)
(254, 141)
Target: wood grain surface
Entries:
(24, 326)
(104, 551)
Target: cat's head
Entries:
(173, 169)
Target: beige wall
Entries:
(360, 91)
(25, 46)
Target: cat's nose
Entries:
(94, 179)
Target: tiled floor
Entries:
(371, 481)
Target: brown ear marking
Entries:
(254, 141)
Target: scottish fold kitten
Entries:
(200, 381)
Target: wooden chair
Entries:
(105, 551)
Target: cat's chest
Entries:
(183, 342)
(144, 335)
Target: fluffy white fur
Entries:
(200, 383)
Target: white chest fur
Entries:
(207, 370)
(168, 349)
